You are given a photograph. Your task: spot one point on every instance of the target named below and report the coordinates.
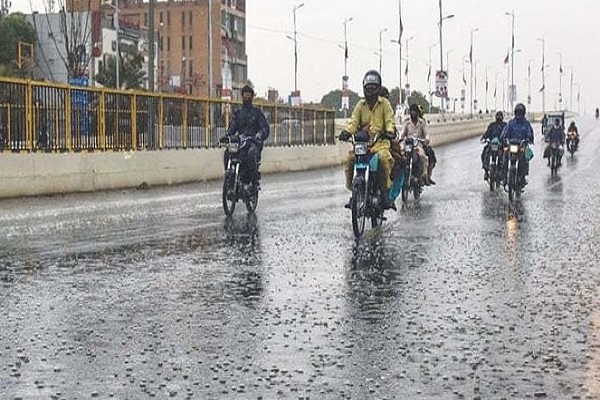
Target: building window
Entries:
(191, 69)
(168, 18)
(145, 19)
(190, 42)
(168, 43)
(160, 17)
(190, 17)
(183, 18)
(183, 43)
(160, 43)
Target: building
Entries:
(182, 35)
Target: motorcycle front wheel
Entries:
(229, 192)
(359, 197)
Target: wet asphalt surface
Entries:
(154, 294)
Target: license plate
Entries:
(494, 147)
(361, 149)
(514, 148)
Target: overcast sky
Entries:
(568, 26)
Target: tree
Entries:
(417, 97)
(14, 28)
(131, 72)
(333, 100)
(64, 36)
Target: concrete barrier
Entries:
(31, 174)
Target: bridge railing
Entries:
(62, 118)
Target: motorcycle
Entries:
(412, 181)
(515, 151)
(555, 156)
(571, 142)
(367, 190)
(237, 182)
(494, 169)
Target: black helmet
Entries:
(248, 89)
(520, 110)
(499, 114)
(384, 92)
(371, 84)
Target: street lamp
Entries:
(296, 49)
(380, 48)
(440, 23)
(346, 45)
(473, 30)
(513, 91)
(560, 73)
(543, 89)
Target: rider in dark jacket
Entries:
(249, 121)
(556, 134)
(494, 130)
(518, 130)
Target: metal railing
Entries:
(61, 118)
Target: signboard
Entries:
(441, 84)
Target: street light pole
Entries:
(400, 28)
(442, 52)
(117, 46)
(571, 91)
(560, 72)
(473, 30)
(296, 49)
(380, 48)
(406, 69)
(513, 91)
(543, 75)
(346, 45)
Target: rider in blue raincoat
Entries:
(517, 130)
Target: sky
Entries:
(567, 26)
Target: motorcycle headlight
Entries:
(514, 148)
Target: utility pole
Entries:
(210, 47)
(151, 48)
(543, 89)
(513, 90)
(472, 104)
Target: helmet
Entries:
(371, 83)
(248, 89)
(520, 110)
(384, 92)
(499, 114)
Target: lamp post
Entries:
(529, 85)
(346, 45)
(117, 44)
(571, 91)
(578, 86)
(440, 23)
(380, 48)
(296, 49)
(560, 73)
(543, 89)
(473, 30)
(513, 90)
(406, 69)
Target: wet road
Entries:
(153, 294)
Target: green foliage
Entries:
(333, 100)
(417, 97)
(13, 29)
(131, 74)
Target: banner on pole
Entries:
(441, 84)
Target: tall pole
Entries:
(571, 92)
(117, 45)
(529, 85)
(296, 50)
(560, 72)
(486, 89)
(151, 48)
(400, 29)
(543, 75)
(210, 47)
(346, 45)
(381, 48)
(407, 80)
(512, 90)
(471, 62)
(345, 77)
(441, 59)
